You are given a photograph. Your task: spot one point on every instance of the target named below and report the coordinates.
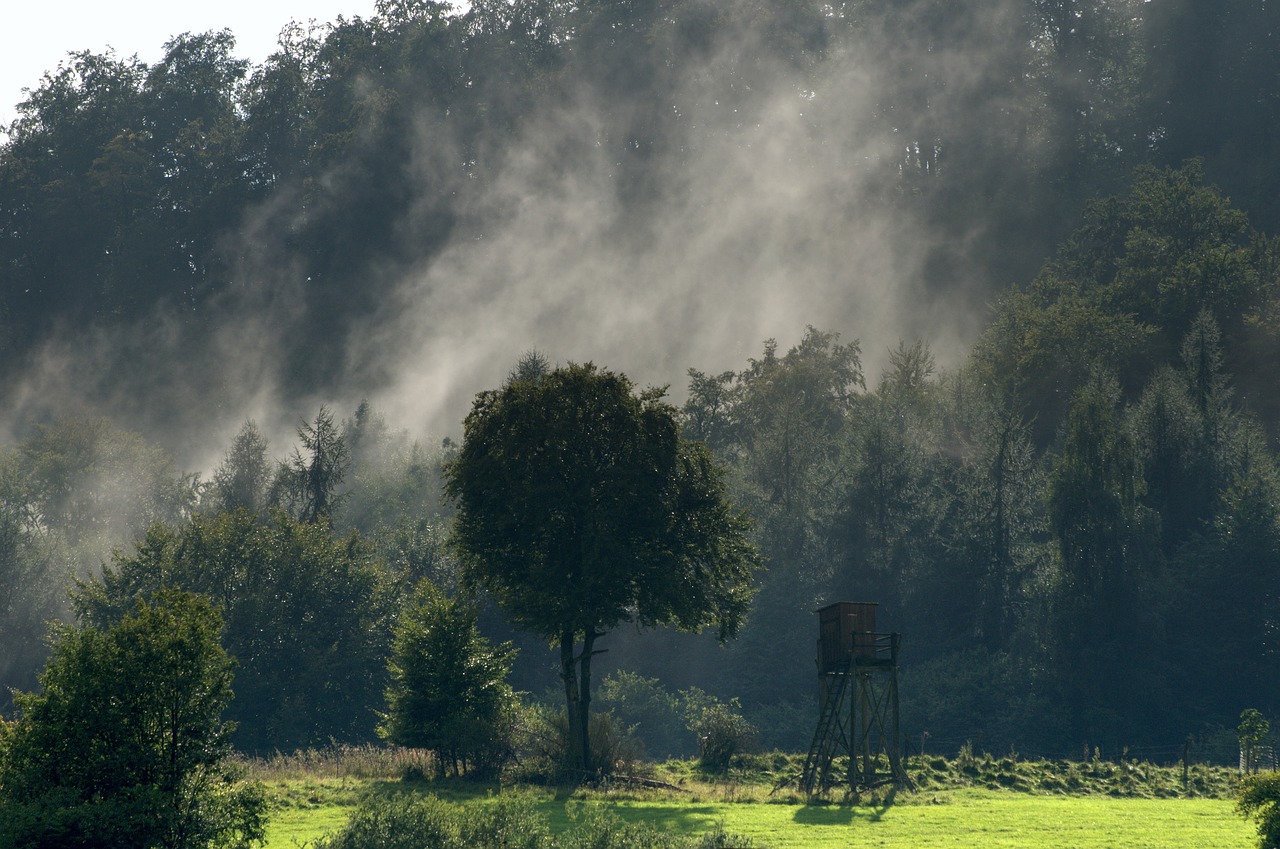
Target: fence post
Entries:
(1186, 762)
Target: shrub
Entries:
(721, 730)
(449, 690)
(125, 744)
(596, 827)
(1260, 800)
(511, 821)
(543, 744)
(653, 711)
(399, 822)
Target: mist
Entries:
(769, 197)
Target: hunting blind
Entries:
(858, 701)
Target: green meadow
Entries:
(1103, 812)
(981, 819)
(971, 819)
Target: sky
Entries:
(35, 36)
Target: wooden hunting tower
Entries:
(858, 701)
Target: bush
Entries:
(1260, 800)
(596, 827)
(449, 690)
(721, 729)
(511, 821)
(399, 822)
(543, 744)
(655, 713)
(125, 744)
(306, 616)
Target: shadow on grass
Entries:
(677, 818)
(819, 814)
(449, 790)
(825, 815)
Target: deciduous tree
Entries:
(125, 743)
(580, 507)
(307, 618)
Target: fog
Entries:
(773, 205)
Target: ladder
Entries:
(831, 734)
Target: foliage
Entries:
(162, 224)
(125, 744)
(1259, 799)
(580, 507)
(690, 721)
(96, 485)
(511, 821)
(71, 492)
(1253, 729)
(242, 480)
(392, 485)
(308, 619)
(33, 573)
(720, 728)
(448, 690)
(545, 753)
(780, 426)
(308, 482)
(655, 714)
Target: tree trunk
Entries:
(584, 697)
(577, 731)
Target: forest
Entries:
(976, 305)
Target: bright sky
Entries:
(36, 34)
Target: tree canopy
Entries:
(308, 618)
(580, 507)
(449, 690)
(125, 744)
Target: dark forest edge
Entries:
(1076, 531)
(163, 209)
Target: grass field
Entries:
(997, 807)
(964, 819)
(975, 819)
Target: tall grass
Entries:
(339, 761)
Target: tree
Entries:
(125, 744)
(448, 689)
(1252, 730)
(995, 534)
(1105, 543)
(778, 424)
(34, 571)
(242, 478)
(1166, 428)
(392, 481)
(1260, 799)
(581, 507)
(312, 475)
(307, 617)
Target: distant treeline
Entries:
(185, 195)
